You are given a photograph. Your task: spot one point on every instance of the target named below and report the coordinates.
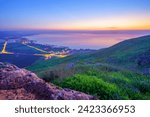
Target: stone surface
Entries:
(16, 83)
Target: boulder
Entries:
(16, 84)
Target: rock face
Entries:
(16, 84)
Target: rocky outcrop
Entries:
(16, 83)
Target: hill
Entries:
(132, 54)
(117, 72)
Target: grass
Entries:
(91, 85)
(111, 73)
(109, 84)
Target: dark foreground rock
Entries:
(16, 84)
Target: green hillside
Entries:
(112, 73)
(129, 54)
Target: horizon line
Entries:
(74, 30)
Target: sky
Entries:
(75, 14)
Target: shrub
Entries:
(91, 85)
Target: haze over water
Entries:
(87, 39)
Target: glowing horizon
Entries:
(75, 14)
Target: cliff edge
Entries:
(21, 84)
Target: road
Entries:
(45, 54)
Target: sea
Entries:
(86, 39)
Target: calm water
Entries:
(86, 40)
